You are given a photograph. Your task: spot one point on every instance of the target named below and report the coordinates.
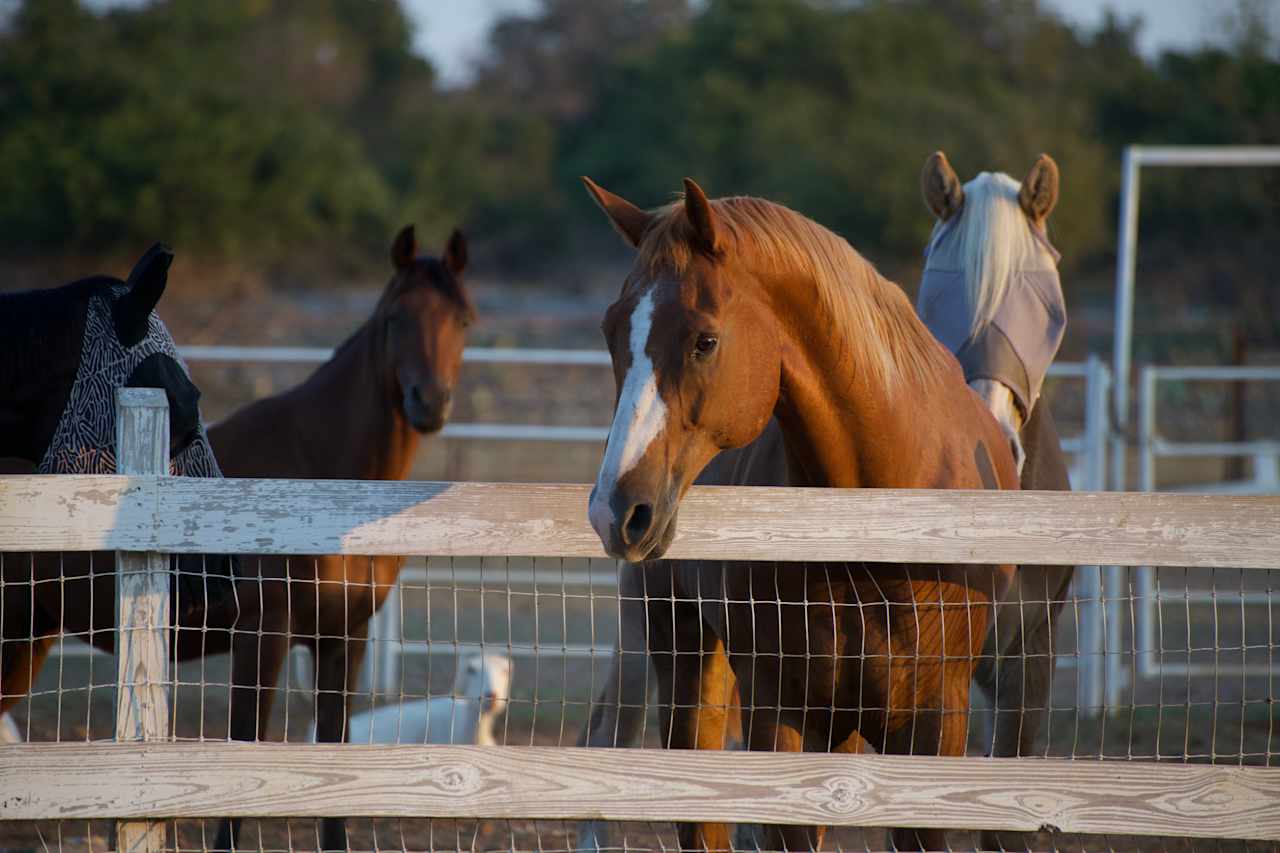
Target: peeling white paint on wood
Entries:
(180, 514)
(192, 780)
(142, 605)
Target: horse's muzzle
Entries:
(427, 408)
(204, 582)
(632, 530)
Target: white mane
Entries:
(992, 238)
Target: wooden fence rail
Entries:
(177, 514)
(208, 780)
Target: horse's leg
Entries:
(695, 698)
(928, 731)
(258, 649)
(767, 731)
(618, 713)
(19, 665)
(1025, 684)
(1036, 645)
(943, 620)
(27, 629)
(338, 663)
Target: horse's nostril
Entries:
(637, 523)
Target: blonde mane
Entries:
(870, 318)
(993, 238)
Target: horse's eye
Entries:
(705, 345)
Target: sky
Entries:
(452, 32)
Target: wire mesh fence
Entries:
(286, 836)
(526, 651)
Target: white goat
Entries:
(480, 693)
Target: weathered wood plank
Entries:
(142, 604)
(142, 645)
(178, 514)
(190, 780)
(77, 513)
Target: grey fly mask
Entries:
(84, 440)
(1018, 345)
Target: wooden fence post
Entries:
(142, 604)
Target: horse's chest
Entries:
(823, 629)
(796, 609)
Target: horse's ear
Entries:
(455, 253)
(146, 285)
(628, 220)
(942, 190)
(698, 209)
(1039, 193)
(404, 249)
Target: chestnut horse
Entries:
(360, 416)
(740, 310)
(1017, 662)
(63, 353)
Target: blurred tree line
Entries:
(260, 129)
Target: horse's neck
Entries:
(357, 430)
(845, 425)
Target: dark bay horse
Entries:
(63, 353)
(737, 311)
(360, 416)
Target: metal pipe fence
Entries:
(1093, 373)
(1265, 479)
(1134, 159)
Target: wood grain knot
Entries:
(457, 779)
(1216, 797)
(840, 795)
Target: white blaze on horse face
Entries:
(1000, 401)
(638, 420)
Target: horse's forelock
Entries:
(431, 273)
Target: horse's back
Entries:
(255, 441)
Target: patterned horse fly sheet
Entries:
(1018, 345)
(84, 440)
